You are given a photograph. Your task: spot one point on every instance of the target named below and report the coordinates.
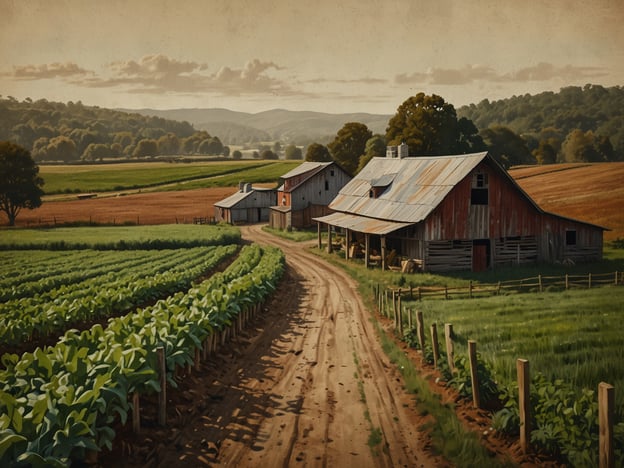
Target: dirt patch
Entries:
(139, 208)
(307, 383)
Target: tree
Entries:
(62, 148)
(145, 147)
(292, 152)
(375, 148)
(349, 145)
(96, 151)
(430, 127)
(507, 147)
(317, 152)
(582, 146)
(236, 154)
(545, 153)
(20, 184)
(268, 154)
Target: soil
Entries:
(306, 385)
(140, 208)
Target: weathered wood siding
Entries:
(319, 189)
(554, 245)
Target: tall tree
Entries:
(430, 127)
(507, 147)
(317, 152)
(375, 148)
(20, 184)
(292, 152)
(349, 145)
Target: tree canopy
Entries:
(317, 152)
(292, 152)
(66, 132)
(430, 127)
(349, 145)
(508, 148)
(20, 184)
(549, 118)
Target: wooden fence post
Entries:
(474, 378)
(394, 314)
(136, 413)
(162, 396)
(616, 277)
(606, 417)
(448, 335)
(435, 345)
(419, 294)
(524, 401)
(409, 318)
(539, 279)
(567, 281)
(470, 290)
(445, 291)
(589, 281)
(421, 329)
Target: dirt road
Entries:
(310, 386)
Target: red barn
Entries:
(305, 193)
(453, 213)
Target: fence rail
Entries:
(533, 284)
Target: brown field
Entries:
(589, 192)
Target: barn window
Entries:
(479, 196)
(479, 190)
(570, 237)
(331, 173)
(326, 185)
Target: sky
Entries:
(323, 55)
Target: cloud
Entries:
(47, 71)
(158, 73)
(471, 73)
(367, 81)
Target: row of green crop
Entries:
(73, 270)
(171, 236)
(101, 297)
(56, 404)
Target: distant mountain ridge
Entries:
(298, 127)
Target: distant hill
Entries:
(297, 127)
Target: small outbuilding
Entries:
(305, 193)
(248, 205)
(445, 213)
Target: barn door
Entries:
(480, 254)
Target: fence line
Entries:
(606, 399)
(536, 283)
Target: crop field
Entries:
(115, 177)
(108, 311)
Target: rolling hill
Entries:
(588, 192)
(298, 127)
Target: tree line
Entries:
(575, 125)
(72, 132)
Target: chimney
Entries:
(247, 187)
(241, 186)
(403, 150)
(391, 152)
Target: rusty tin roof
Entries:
(419, 185)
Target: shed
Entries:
(248, 205)
(447, 213)
(305, 192)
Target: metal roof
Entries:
(361, 223)
(305, 167)
(419, 186)
(234, 199)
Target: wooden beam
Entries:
(318, 229)
(383, 253)
(347, 244)
(367, 250)
(329, 239)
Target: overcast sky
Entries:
(332, 56)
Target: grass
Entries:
(104, 178)
(571, 335)
(118, 237)
(294, 235)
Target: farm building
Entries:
(305, 193)
(451, 213)
(248, 205)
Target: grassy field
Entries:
(158, 236)
(103, 178)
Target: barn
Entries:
(248, 205)
(305, 192)
(448, 213)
